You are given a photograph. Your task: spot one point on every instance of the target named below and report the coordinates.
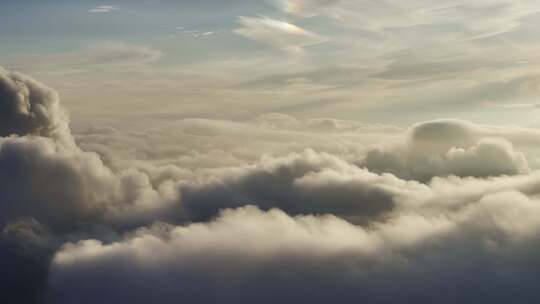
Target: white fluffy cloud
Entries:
(448, 207)
(29, 108)
(453, 147)
(44, 173)
(247, 255)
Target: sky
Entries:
(378, 61)
(269, 151)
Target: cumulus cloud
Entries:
(28, 107)
(247, 255)
(59, 188)
(26, 247)
(46, 176)
(451, 209)
(452, 147)
(306, 183)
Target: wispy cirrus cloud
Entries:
(305, 7)
(279, 34)
(103, 53)
(104, 9)
(197, 33)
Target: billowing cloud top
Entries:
(27, 107)
(215, 211)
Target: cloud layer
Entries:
(247, 255)
(221, 211)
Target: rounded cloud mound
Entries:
(28, 107)
(442, 135)
(449, 147)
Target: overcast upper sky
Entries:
(384, 61)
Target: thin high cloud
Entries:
(429, 59)
(305, 7)
(280, 34)
(104, 9)
(97, 54)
